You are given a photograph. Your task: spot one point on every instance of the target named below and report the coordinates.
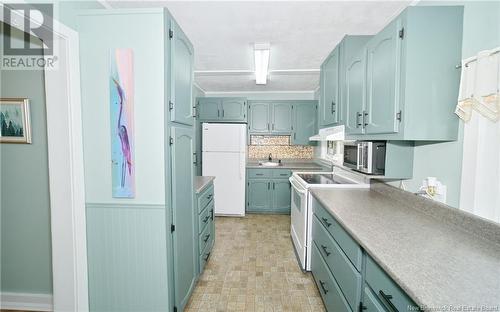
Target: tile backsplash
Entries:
(279, 146)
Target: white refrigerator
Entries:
(224, 157)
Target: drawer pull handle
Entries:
(212, 214)
(322, 284)
(210, 196)
(325, 250)
(325, 221)
(206, 219)
(259, 174)
(206, 238)
(387, 299)
(206, 256)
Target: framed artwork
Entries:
(15, 125)
(121, 102)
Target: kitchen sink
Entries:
(270, 164)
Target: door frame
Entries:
(66, 172)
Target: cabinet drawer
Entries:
(282, 173)
(205, 237)
(205, 197)
(205, 255)
(343, 239)
(346, 275)
(205, 217)
(389, 294)
(259, 173)
(370, 301)
(328, 288)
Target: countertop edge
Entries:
(204, 181)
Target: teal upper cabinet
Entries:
(330, 89)
(281, 117)
(331, 109)
(354, 96)
(209, 109)
(304, 122)
(234, 109)
(382, 80)
(410, 78)
(222, 109)
(182, 69)
(258, 115)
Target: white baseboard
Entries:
(26, 302)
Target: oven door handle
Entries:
(296, 187)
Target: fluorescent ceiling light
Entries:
(261, 53)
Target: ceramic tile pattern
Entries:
(253, 268)
(279, 146)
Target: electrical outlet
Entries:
(432, 188)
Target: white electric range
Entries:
(301, 211)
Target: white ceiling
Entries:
(301, 33)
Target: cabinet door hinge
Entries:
(170, 33)
(172, 228)
(402, 33)
(398, 116)
(170, 105)
(171, 141)
(175, 309)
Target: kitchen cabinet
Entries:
(222, 109)
(259, 117)
(183, 225)
(182, 72)
(304, 122)
(270, 117)
(298, 119)
(409, 78)
(330, 89)
(205, 224)
(136, 260)
(331, 111)
(354, 97)
(281, 117)
(268, 191)
(337, 269)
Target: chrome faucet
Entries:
(270, 158)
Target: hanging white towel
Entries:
(479, 86)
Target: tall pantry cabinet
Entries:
(142, 254)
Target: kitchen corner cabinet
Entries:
(268, 191)
(304, 122)
(213, 109)
(347, 278)
(332, 80)
(409, 78)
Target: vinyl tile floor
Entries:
(253, 268)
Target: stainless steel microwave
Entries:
(365, 156)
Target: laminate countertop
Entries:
(200, 182)
(289, 164)
(443, 258)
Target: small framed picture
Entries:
(15, 125)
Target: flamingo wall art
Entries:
(121, 86)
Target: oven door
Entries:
(299, 214)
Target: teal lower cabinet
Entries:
(385, 289)
(268, 191)
(347, 277)
(206, 225)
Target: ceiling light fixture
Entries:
(261, 54)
